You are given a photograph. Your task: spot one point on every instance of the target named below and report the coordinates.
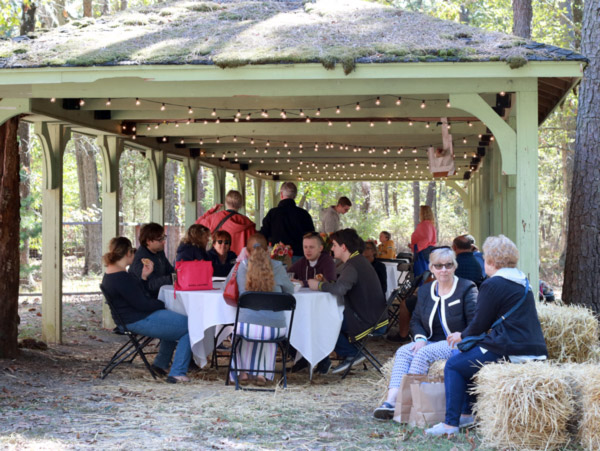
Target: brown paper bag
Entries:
(404, 399)
(429, 404)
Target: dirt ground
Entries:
(55, 399)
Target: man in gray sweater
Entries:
(364, 301)
(330, 216)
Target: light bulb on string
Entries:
(427, 125)
(108, 102)
(235, 139)
(372, 124)
(248, 117)
(399, 101)
(378, 101)
(389, 122)
(218, 140)
(81, 102)
(357, 106)
(163, 107)
(52, 99)
(337, 110)
(218, 120)
(251, 140)
(349, 124)
(214, 112)
(410, 123)
(329, 123)
(301, 113)
(307, 120)
(238, 114)
(188, 122)
(448, 104)
(470, 124)
(423, 105)
(137, 101)
(190, 111)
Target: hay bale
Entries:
(586, 389)
(571, 332)
(523, 405)
(436, 369)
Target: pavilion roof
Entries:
(232, 33)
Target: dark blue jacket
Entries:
(189, 252)
(520, 333)
(221, 269)
(162, 270)
(468, 267)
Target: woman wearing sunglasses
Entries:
(444, 306)
(221, 255)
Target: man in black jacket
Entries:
(152, 240)
(287, 222)
(364, 301)
(468, 266)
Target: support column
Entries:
(241, 181)
(54, 139)
(527, 239)
(13, 107)
(219, 179)
(191, 166)
(259, 206)
(156, 160)
(275, 197)
(111, 148)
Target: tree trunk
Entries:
(395, 202)
(105, 11)
(366, 193)
(583, 246)
(522, 14)
(416, 202)
(386, 198)
(61, 12)
(89, 201)
(87, 8)
(27, 18)
(171, 201)
(10, 220)
(123, 5)
(430, 194)
(201, 191)
(464, 16)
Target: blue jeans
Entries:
(458, 376)
(172, 329)
(343, 348)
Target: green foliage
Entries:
(10, 13)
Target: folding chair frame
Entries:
(128, 351)
(255, 301)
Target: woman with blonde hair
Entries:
(193, 245)
(260, 273)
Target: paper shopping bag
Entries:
(429, 403)
(404, 399)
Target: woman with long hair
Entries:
(260, 273)
(193, 245)
(145, 315)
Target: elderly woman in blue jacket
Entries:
(444, 306)
(518, 337)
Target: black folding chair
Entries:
(407, 289)
(268, 301)
(360, 341)
(133, 347)
(214, 361)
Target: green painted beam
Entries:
(259, 206)
(53, 138)
(241, 182)
(219, 175)
(504, 135)
(111, 149)
(12, 107)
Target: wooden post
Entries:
(54, 139)
(156, 160)
(191, 167)
(111, 148)
(275, 197)
(259, 206)
(526, 217)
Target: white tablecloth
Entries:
(391, 269)
(317, 320)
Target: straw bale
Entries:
(523, 406)
(585, 380)
(571, 332)
(436, 369)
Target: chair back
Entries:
(113, 311)
(264, 300)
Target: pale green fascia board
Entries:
(56, 75)
(13, 107)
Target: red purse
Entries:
(193, 275)
(231, 294)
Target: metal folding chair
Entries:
(269, 301)
(133, 347)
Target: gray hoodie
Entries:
(330, 220)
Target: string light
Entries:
(399, 101)
(357, 106)
(464, 140)
(349, 124)
(238, 114)
(188, 122)
(164, 139)
(372, 124)
(410, 123)
(502, 93)
(214, 112)
(302, 113)
(307, 120)
(251, 140)
(201, 141)
(81, 102)
(218, 140)
(378, 101)
(470, 124)
(108, 102)
(448, 104)
(218, 120)
(137, 102)
(53, 99)
(337, 110)
(427, 125)
(329, 123)
(318, 112)
(248, 117)
(163, 107)
(389, 122)
(182, 141)
(423, 105)
(235, 139)
(190, 111)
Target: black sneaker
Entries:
(384, 411)
(348, 361)
(324, 366)
(397, 338)
(159, 371)
(300, 365)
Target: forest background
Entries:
(391, 206)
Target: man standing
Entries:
(240, 227)
(364, 301)
(152, 240)
(287, 222)
(468, 266)
(330, 216)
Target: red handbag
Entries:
(193, 275)
(231, 294)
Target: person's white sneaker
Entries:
(441, 429)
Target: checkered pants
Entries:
(405, 362)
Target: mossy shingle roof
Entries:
(231, 33)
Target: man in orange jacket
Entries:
(240, 227)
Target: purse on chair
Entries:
(231, 294)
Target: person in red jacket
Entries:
(240, 227)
